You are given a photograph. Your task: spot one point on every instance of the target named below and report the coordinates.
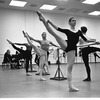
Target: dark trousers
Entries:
(25, 54)
(85, 56)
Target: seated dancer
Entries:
(69, 46)
(86, 50)
(24, 54)
(7, 58)
(41, 53)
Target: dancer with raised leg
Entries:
(87, 49)
(28, 47)
(41, 53)
(25, 54)
(45, 44)
(69, 46)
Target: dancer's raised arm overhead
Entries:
(31, 38)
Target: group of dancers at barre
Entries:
(69, 46)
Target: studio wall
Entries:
(12, 22)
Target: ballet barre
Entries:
(58, 75)
(88, 44)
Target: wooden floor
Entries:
(14, 83)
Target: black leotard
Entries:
(72, 38)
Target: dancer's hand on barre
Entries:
(97, 42)
(48, 21)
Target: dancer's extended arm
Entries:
(91, 40)
(31, 38)
(57, 28)
(53, 44)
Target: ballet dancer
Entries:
(28, 47)
(86, 50)
(69, 46)
(25, 54)
(45, 44)
(40, 52)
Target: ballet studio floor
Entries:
(15, 84)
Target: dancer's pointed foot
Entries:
(9, 41)
(24, 33)
(73, 89)
(40, 15)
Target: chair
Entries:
(22, 63)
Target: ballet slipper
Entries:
(42, 79)
(27, 74)
(9, 41)
(25, 35)
(73, 89)
(40, 16)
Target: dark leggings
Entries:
(25, 55)
(85, 56)
(36, 60)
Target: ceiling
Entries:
(71, 7)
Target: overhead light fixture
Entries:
(92, 2)
(17, 3)
(95, 13)
(48, 7)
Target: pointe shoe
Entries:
(40, 16)
(73, 89)
(24, 34)
(9, 41)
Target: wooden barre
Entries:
(87, 44)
